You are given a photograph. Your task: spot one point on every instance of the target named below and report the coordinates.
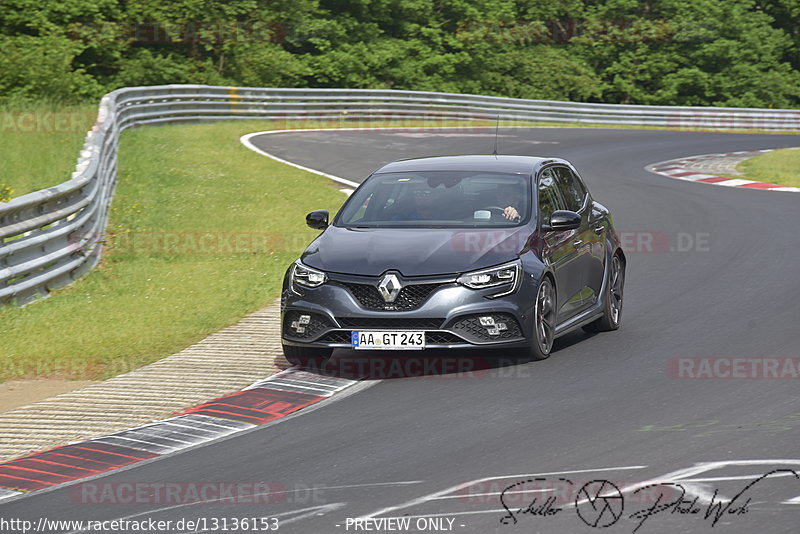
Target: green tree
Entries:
(695, 53)
(667, 52)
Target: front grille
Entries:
(471, 329)
(390, 323)
(293, 328)
(337, 336)
(442, 338)
(409, 298)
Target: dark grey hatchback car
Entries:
(456, 252)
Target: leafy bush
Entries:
(671, 52)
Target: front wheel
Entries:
(544, 321)
(612, 310)
(302, 356)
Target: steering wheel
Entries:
(499, 211)
(495, 208)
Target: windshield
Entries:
(439, 199)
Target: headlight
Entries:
(305, 276)
(508, 273)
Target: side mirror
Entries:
(563, 220)
(318, 220)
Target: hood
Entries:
(413, 251)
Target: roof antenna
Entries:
(497, 127)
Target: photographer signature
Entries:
(600, 503)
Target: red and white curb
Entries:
(679, 169)
(263, 402)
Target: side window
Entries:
(548, 196)
(571, 189)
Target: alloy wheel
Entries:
(545, 316)
(615, 289)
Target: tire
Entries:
(544, 321)
(302, 356)
(612, 310)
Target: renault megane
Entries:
(456, 252)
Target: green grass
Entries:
(779, 167)
(39, 145)
(146, 301)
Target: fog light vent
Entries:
(483, 328)
(304, 325)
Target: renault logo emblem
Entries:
(389, 287)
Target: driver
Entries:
(509, 197)
(424, 205)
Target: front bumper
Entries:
(449, 315)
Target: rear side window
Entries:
(571, 188)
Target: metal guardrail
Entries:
(51, 237)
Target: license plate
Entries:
(388, 340)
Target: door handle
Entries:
(599, 229)
(577, 243)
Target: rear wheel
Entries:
(612, 312)
(302, 356)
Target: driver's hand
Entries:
(511, 213)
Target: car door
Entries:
(559, 250)
(590, 239)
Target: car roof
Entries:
(492, 163)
